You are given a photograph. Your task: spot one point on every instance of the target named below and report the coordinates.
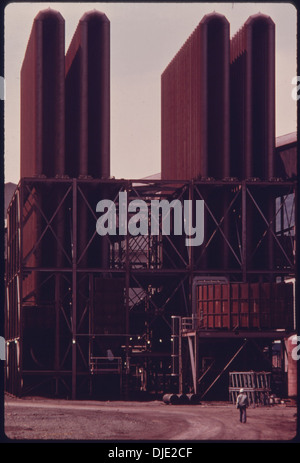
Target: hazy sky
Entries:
(144, 39)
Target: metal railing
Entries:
(189, 323)
(101, 365)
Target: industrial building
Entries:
(128, 316)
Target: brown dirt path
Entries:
(37, 418)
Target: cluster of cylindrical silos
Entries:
(218, 102)
(65, 99)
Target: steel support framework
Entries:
(197, 343)
(52, 267)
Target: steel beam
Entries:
(74, 288)
(70, 274)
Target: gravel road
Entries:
(45, 419)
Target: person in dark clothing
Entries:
(242, 403)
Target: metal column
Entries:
(74, 286)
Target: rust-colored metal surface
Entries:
(87, 115)
(88, 98)
(238, 306)
(252, 77)
(43, 98)
(195, 115)
(252, 87)
(195, 104)
(218, 102)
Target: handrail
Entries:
(189, 323)
(104, 364)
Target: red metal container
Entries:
(245, 306)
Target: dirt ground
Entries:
(46, 419)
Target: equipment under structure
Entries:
(85, 330)
(137, 310)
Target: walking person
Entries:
(242, 403)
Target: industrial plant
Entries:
(144, 315)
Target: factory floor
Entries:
(35, 418)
